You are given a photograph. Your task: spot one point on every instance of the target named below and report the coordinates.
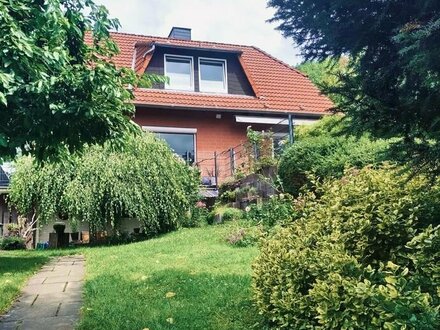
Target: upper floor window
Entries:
(180, 71)
(212, 75)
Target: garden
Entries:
(342, 233)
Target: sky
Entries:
(230, 21)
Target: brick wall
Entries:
(212, 134)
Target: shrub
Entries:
(278, 210)
(222, 213)
(228, 196)
(243, 237)
(144, 180)
(354, 259)
(12, 243)
(326, 154)
(197, 217)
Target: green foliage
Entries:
(326, 152)
(12, 243)
(197, 217)
(351, 260)
(278, 210)
(228, 196)
(222, 213)
(325, 74)
(58, 92)
(391, 85)
(144, 181)
(243, 237)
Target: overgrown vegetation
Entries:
(102, 186)
(359, 255)
(325, 150)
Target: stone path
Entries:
(51, 299)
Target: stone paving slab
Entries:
(51, 299)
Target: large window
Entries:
(212, 74)
(179, 70)
(181, 140)
(182, 144)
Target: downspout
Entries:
(291, 131)
(133, 61)
(153, 47)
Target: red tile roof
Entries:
(277, 86)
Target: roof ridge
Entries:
(166, 38)
(279, 61)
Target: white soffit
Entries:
(272, 120)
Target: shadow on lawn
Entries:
(195, 301)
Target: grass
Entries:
(191, 279)
(15, 268)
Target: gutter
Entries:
(202, 108)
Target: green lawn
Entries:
(15, 268)
(206, 280)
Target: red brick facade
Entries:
(213, 134)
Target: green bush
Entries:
(326, 154)
(243, 237)
(361, 256)
(278, 210)
(197, 217)
(102, 186)
(12, 243)
(222, 213)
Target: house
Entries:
(6, 216)
(215, 91)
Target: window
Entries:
(181, 144)
(181, 140)
(212, 75)
(179, 70)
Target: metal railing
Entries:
(218, 166)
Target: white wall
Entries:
(127, 225)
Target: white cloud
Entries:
(230, 21)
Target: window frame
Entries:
(175, 130)
(191, 59)
(225, 74)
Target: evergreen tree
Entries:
(392, 85)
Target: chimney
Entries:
(180, 33)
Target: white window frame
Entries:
(191, 58)
(176, 130)
(225, 74)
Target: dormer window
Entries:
(212, 75)
(180, 71)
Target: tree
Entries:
(58, 92)
(391, 87)
(325, 75)
(103, 185)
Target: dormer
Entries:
(194, 68)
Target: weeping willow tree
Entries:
(102, 186)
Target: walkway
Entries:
(51, 299)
